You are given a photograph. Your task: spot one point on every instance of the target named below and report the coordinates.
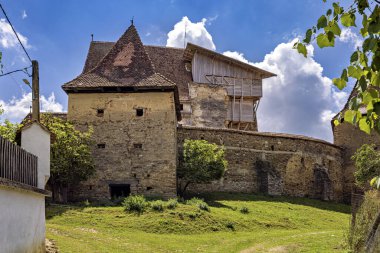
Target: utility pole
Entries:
(35, 92)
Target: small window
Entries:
(139, 112)
(137, 145)
(181, 107)
(101, 145)
(149, 188)
(100, 112)
(272, 148)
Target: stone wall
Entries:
(350, 138)
(276, 164)
(135, 151)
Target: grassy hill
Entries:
(273, 224)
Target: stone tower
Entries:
(134, 112)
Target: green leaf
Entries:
(337, 9)
(333, 27)
(344, 75)
(308, 35)
(375, 79)
(373, 181)
(302, 49)
(323, 41)
(348, 19)
(322, 22)
(328, 13)
(349, 116)
(364, 125)
(354, 57)
(339, 83)
(363, 83)
(355, 72)
(336, 122)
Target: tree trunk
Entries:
(184, 189)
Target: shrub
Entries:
(204, 206)
(367, 163)
(244, 210)
(363, 221)
(172, 203)
(135, 203)
(86, 203)
(157, 205)
(230, 225)
(198, 203)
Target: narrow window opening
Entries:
(137, 145)
(101, 145)
(90, 187)
(272, 148)
(148, 175)
(134, 175)
(139, 112)
(100, 112)
(149, 188)
(181, 107)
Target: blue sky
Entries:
(57, 34)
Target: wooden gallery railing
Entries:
(16, 164)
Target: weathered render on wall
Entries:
(351, 138)
(275, 164)
(139, 151)
(22, 226)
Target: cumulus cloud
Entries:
(8, 38)
(24, 15)
(196, 33)
(300, 100)
(17, 108)
(348, 36)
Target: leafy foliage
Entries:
(8, 129)
(135, 203)
(71, 159)
(364, 66)
(244, 210)
(201, 162)
(200, 203)
(157, 205)
(172, 203)
(363, 221)
(367, 162)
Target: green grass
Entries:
(273, 224)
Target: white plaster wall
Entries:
(22, 221)
(36, 140)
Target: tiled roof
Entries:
(167, 61)
(125, 64)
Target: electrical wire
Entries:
(18, 70)
(14, 31)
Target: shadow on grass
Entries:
(213, 199)
(53, 210)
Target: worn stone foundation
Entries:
(275, 164)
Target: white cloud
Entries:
(17, 108)
(8, 38)
(195, 33)
(300, 100)
(348, 36)
(24, 15)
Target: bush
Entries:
(230, 225)
(135, 203)
(363, 221)
(157, 205)
(198, 203)
(367, 163)
(244, 210)
(172, 203)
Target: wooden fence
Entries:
(16, 164)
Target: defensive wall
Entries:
(271, 163)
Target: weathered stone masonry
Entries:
(276, 164)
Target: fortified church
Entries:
(144, 101)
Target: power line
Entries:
(5, 14)
(18, 70)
